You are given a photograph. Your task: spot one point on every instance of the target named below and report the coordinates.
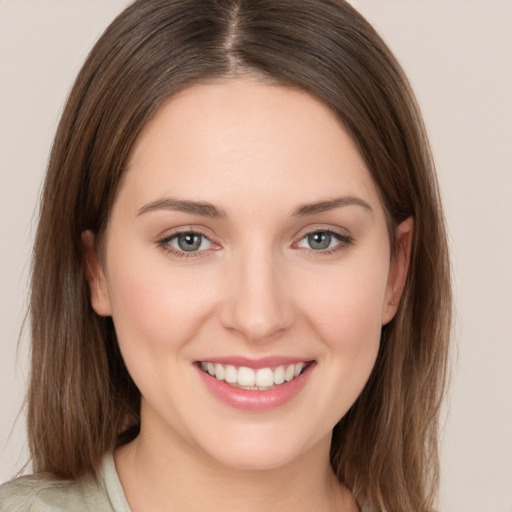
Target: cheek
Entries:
(343, 308)
(157, 313)
(345, 304)
(155, 309)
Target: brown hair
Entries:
(81, 398)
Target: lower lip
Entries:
(255, 400)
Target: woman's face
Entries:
(247, 244)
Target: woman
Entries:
(240, 291)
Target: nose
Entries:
(256, 306)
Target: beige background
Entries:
(458, 55)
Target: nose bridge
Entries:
(257, 305)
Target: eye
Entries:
(186, 242)
(323, 241)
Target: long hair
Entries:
(82, 401)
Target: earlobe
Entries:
(100, 300)
(398, 269)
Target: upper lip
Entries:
(256, 363)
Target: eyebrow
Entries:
(330, 204)
(202, 208)
(206, 209)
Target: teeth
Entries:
(219, 372)
(279, 375)
(231, 374)
(298, 368)
(263, 378)
(246, 376)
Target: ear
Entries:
(398, 269)
(100, 300)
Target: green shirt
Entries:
(40, 493)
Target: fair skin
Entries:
(283, 258)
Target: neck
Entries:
(173, 476)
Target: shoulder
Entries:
(42, 493)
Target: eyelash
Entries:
(164, 243)
(343, 241)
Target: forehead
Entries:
(243, 138)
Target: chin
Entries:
(258, 459)
(244, 451)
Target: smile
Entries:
(247, 378)
(255, 385)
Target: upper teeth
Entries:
(253, 379)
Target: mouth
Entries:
(255, 385)
(251, 379)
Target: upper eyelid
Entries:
(164, 241)
(203, 231)
(342, 237)
(173, 236)
(336, 230)
(198, 230)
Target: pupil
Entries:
(189, 241)
(319, 240)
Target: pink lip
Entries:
(256, 364)
(254, 400)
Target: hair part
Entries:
(82, 401)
